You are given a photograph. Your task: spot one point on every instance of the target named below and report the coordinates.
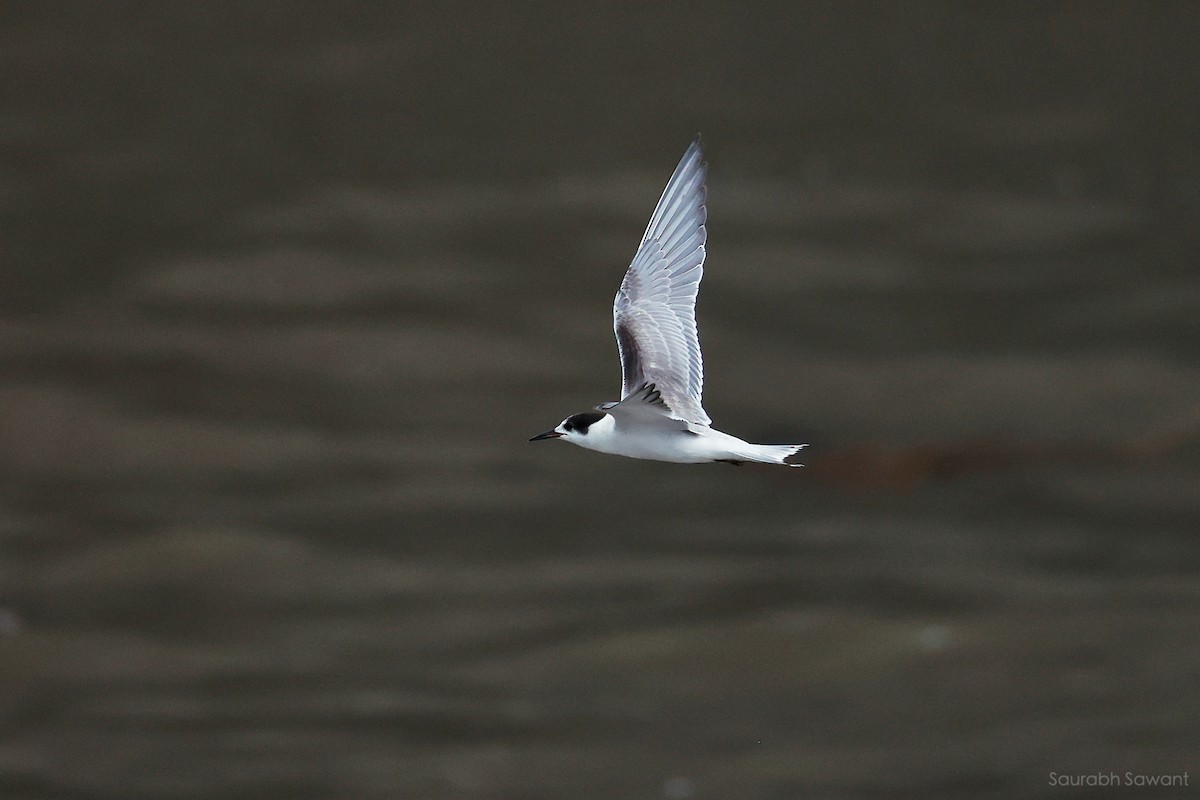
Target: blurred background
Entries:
(286, 287)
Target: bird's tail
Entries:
(772, 453)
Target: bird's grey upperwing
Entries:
(645, 409)
(654, 314)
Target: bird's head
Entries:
(574, 428)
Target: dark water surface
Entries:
(286, 288)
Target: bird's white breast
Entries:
(667, 443)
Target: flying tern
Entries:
(659, 416)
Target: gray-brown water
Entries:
(286, 288)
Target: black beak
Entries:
(546, 435)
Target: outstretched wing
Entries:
(654, 314)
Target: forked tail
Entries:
(771, 453)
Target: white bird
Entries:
(660, 416)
